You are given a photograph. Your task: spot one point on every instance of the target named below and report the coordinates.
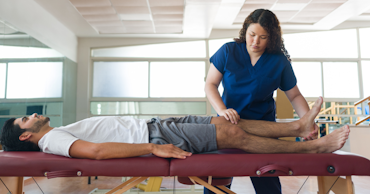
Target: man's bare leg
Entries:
(231, 136)
(299, 128)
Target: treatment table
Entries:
(211, 169)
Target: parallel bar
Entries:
(361, 101)
(363, 120)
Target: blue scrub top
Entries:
(249, 89)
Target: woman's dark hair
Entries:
(10, 138)
(271, 24)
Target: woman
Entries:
(251, 69)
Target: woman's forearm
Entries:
(214, 97)
(122, 150)
(300, 105)
(298, 101)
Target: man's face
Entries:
(33, 122)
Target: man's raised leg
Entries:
(300, 128)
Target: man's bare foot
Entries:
(333, 141)
(307, 126)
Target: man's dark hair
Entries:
(10, 138)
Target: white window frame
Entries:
(359, 72)
(206, 60)
(43, 101)
(149, 99)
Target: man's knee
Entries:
(230, 136)
(234, 131)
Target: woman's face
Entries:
(256, 38)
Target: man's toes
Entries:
(347, 128)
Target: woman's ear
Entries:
(25, 136)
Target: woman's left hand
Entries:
(314, 133)
(230, 115)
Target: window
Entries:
(193, 49)
(177, 79)
(341, 80)
(120, 79)
(216, 44)
(148, 108)
(131, 79)
(2, 79)
(322, 44)
(16, 52)
(365, 42)
(323, 66)
(53, 110)
(35, 80)
(366, 77)
(156, 81)
(308, 78)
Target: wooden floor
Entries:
(241, 185)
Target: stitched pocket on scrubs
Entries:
(266, 87)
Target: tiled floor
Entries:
(292, 185)
(241, 185)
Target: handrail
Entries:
(326, 110)
(359, 122)
(361, 101)
(337, 110)
(345, 110)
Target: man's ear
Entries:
(25, 136)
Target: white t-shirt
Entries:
(97, 130)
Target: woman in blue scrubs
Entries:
(251, 69)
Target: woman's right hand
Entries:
(230, 115)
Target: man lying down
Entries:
(120, 137)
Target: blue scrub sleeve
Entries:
(219, 58)
(288, 79)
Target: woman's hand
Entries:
(314, 133)
(230, 115)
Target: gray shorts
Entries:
(194, 134)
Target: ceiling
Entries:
(61, 24)
(197, 18)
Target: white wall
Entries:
(359, 140)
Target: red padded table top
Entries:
(233, 162)
(224, 163)
(37, 163)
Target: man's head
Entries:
(16, 133)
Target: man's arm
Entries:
(100, 151)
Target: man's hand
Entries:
(169, 151)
